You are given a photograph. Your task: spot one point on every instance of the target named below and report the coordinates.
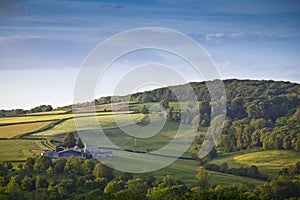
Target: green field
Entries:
(268, 161)
(54, 112)
(103, 107)
(14, 150)
(48, 117)
(10, 131)
(106, 120)
(186, 170)
(35, 118)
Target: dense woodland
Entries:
(259, 113)
(42, 178)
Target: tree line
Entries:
(251, 172)
(16, 112)
(73, 178)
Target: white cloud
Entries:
(221, 38)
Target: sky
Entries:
(44, 43)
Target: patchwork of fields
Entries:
(29, 135)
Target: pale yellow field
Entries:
(20, 129)
(36, 118)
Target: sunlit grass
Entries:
(105, 120)
(19, 149)
(10, 131)
(268, 161)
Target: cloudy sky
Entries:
(44, 43)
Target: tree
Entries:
(164, 103)
(253, 171)
(237, 108)
(4, 168)
(170, 113)
(66, 187)
(2, 181)
(101, 170)
(94, 194)
(137, 184)
(69, 140)
(126, 176)
(224, 167)
(59, 165)
(173, 192)
(14, 189)
(28, 183)
(79, 143)
(92, 183)
(168, 181)
(42, 108)
(202, 177)
(135, 189)
(13, 185)
(41, 193)
(41, 182)
(89, 165)
(74, 166)
(145, 110)
(114, 186)
(204, 108)
(42, 164)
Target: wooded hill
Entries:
(259, 112)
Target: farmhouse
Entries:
(62, 153)
(91, 151)
(105, 154)
(50, 153)
(69, 153)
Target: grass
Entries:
(186, 170)
(106, 121)
(10, 131)
(228, 179)
(144, 139)
(121, 139)
(268, 161)
(54, 112)
(103, 107)
(19, 149)
(155, 106)
(34, 118)
(41, 118)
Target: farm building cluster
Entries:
(90, 151)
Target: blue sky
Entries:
(43, 43)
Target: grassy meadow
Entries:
(106, 120)
(268, 161)
(186, 170)
(19, 149)
(11, 131)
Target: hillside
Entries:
(260, 113)
(260, 139)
